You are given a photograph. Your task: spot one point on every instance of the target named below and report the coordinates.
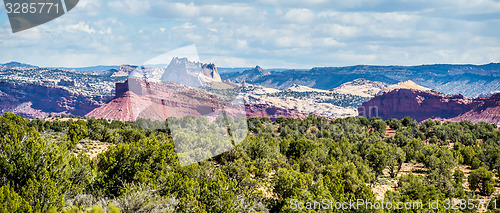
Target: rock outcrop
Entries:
(361, 87)
(487, 109)
(469, 80)
(409, 84)
(32, 100)
(123, 71)
(137, 98)
(421, 105)
(251, 75)
(210, 70)
(193, 74)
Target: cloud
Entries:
(264, 32)
(300, 16)
(80, 27)
(130, 7)
(175, 10)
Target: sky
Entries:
(268, 33)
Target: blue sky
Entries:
(269, 33)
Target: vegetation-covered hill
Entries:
(52, 165)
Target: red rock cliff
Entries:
(32, 100)
(421, 105)
(157, 101)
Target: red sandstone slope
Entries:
(157, 101)
(488, 110)
(421, 105)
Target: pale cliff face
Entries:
(193, 74)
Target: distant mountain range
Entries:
(468, 80)
(17, 65)
(107, 68)
(421, 92)
(89, 69)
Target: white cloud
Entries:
(300, 15)
(175, 10)
(80, 27)
(130, 7)
(241, 44)
(339, 31)
(265, 32)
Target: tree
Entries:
(297, 148)
(394, 123)
(378, 125)
(395, 159)
(10, 201)
(406, 121)
(377, 157)
(141, 161)
(481, 179)
(414, 187)
(39, 171)
(289, 183)
(77, 131)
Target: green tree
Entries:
(10, 201)
(395, 159)
(377, 157)
(481, 179)
(39, 171)
(288, 183)
(143, 161)
(77, 131)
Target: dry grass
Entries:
(385, 182)
(92, 148)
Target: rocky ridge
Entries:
(31, 100)
(421, 105)
(361, 87)
(469, 80)
(137, 98)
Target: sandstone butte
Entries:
(137, 98)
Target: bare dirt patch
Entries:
(92, 148)
(385, 182)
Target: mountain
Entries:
(361, 87)
(210, 70)
(136, 98)
(86, 84)
(194, 88)
(32, 100)
(305, 99)
(469, 80)
(18, 65)
(409, 84)
(89, 69)
(488, 109)
(122, 71)
(366, 88)
(487, 94)
(185, 72)
(38, 92)
(421, 105)
(300, 88)
(250, 75)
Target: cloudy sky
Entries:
(269, 33)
